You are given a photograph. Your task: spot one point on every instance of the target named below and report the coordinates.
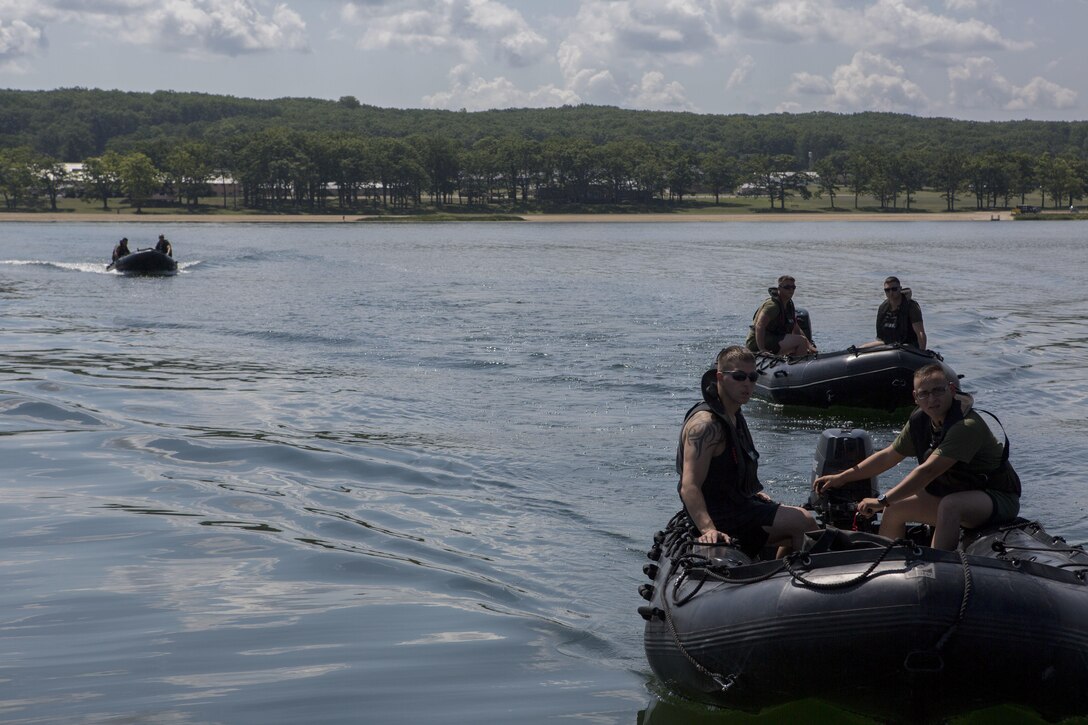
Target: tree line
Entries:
(307, 154)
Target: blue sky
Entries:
(970, 59)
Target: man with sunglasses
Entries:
(899, 318)
(717, 462)
(963, 477)
(775, 329)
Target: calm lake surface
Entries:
(408, 473)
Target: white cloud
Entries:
(789, 20)
(471, 92)
(977, 84)
(622, 52)
(893, 27)
(905, 27)
(459, 27)
(740, 73)
(195, 27)
(653, 91)
(18, 42)
(870, 82)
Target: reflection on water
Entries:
(326, 471)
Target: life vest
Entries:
(783, 322)
(959, 477)
(732, 476)
(902, 331)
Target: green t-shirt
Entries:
(776, 328)
(969, 441)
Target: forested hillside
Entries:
(301, 154)
(72, 124)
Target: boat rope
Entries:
(963, 602)
(931, 660)
(724, 682)
(725, 576)
(1002, 548)
(804, 559)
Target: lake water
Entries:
(408, 473)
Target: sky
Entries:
(970, 59)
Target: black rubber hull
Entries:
(900, 644)
(878, 377)
(145, 262)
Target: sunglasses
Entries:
(787, 286)
(891, 289)
(739, 375)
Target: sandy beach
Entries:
(130, 218)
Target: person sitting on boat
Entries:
(963, 477)
(164, 246)
(775, 329)
(899, 318)
(121, 249)
(717, 462)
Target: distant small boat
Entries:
(145, 262)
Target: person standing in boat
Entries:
(164, 246)
(717, 462)
(899, 318)
(121, 249)
(775, 329)
(963, 477)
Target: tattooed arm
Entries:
(703, 438)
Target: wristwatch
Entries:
(882, 499)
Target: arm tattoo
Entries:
(702, 435)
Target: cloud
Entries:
(740, 73)
(977, 83)
(19, 41)
(892, 27)
(459, 27)
(195, 27)
(474, 93)
(621, 52)
(904, 27)
(653, 91)
(870, 82)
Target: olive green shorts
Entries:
(1006, 506)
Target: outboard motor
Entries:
(805, 323)
(837, 450)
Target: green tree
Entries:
(441, 158)
(139, 179)
(950, 175)
(187, 169)
(721, 172)
(830, 172)
(51, 175)
(857, 171)
(101, 177)
(912, 172)
(17, 177)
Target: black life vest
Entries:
(901, 331)
(783, 322)
(732, 477)
(959, 477)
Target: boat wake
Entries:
(92, 267)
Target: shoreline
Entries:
(82, 218)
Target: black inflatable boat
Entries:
(145, 262)
(874, 377)
(891, 629)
